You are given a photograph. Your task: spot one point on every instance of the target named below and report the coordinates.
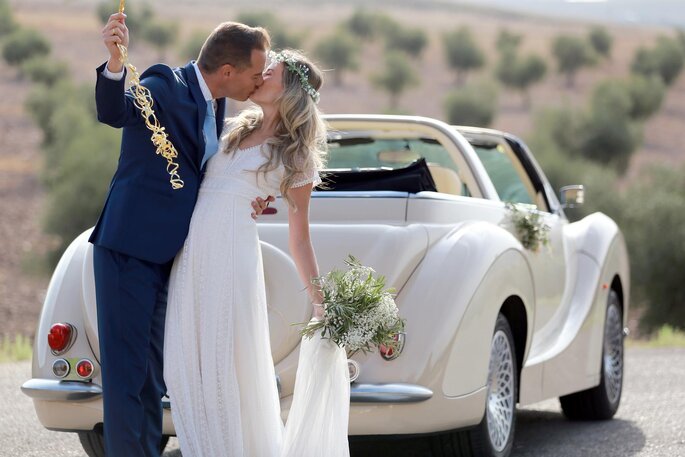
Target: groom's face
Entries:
(241, 83)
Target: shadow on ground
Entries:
(538, 433)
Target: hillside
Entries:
(74, 32)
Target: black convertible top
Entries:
(413, 178)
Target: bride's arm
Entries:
(300, 243)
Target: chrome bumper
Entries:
(52, 390)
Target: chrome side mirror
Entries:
(572, 196)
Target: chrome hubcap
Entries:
(500, 408)
(613, 354)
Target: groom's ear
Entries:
(227, 70)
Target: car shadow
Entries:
(542, 433)
(538, 433)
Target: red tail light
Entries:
(61, 337)
(84, 368)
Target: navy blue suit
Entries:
(142, 226)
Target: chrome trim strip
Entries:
(388, 393)
(53, 390)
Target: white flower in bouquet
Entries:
(359, 312)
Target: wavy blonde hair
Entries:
(299, 142)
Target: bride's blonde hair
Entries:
(299, 142)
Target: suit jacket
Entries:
(143, 216)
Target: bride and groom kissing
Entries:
(179, 280)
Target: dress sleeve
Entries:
(309, 175)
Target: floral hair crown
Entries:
(301, 69)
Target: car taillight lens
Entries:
(84, 368)
(61, 337)
(388, 353)
(60, 368)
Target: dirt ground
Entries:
(74, 32)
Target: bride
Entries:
(217, 357)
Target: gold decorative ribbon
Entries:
(143, 101)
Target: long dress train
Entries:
(218, 366)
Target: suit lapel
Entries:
(196, 92)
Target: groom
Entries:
(145, 222)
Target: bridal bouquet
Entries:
(359, 312)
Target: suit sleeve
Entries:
(115, 105)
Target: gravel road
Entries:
(649, 423)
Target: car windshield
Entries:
(389, 153)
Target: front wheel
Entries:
(494, 435)
(601, 402)
(93, 442)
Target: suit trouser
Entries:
(131, 305)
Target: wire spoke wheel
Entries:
(500, 406)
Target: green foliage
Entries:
(359, 311)
(399, 75)
(15, 350)
(80, 157)
(44, 70)
(531, 229)
(23, 45)
(647, 95)
(462, 52)
(410, 40)
(138, 15)
(281, 37)
(161, 35)
(508, 41)
(666, 59)
(81, 180)
(473, 105)
(340, 52)
(7, 23)
(601, 41)
(367, 25)
(572, 54)
(520, 73)
(653, 225)
(191, 48)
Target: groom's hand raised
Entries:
(259, 205)
(115, 32)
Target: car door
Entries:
(517, 180)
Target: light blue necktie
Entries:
(209, 132)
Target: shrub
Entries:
(666, 59)
(45, 71)
(340, 52)
(161, 35)
(647, 94)
(462, 52)
(7, 23)
(520, 73)
(411, 41)
(572, 54)
(474, 105)
(191, 48)
(653, 222)
(23, 45)
(280, 35)
(399, 75)
(601, 41)
(508, 41)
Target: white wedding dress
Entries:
(218, 367)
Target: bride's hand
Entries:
(318, 311)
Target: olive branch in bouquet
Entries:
(359, 311)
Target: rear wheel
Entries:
(601, 402)
(93, 442)
(494, 435)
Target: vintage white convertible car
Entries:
(490, 323)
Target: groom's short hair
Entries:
(232, 43)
